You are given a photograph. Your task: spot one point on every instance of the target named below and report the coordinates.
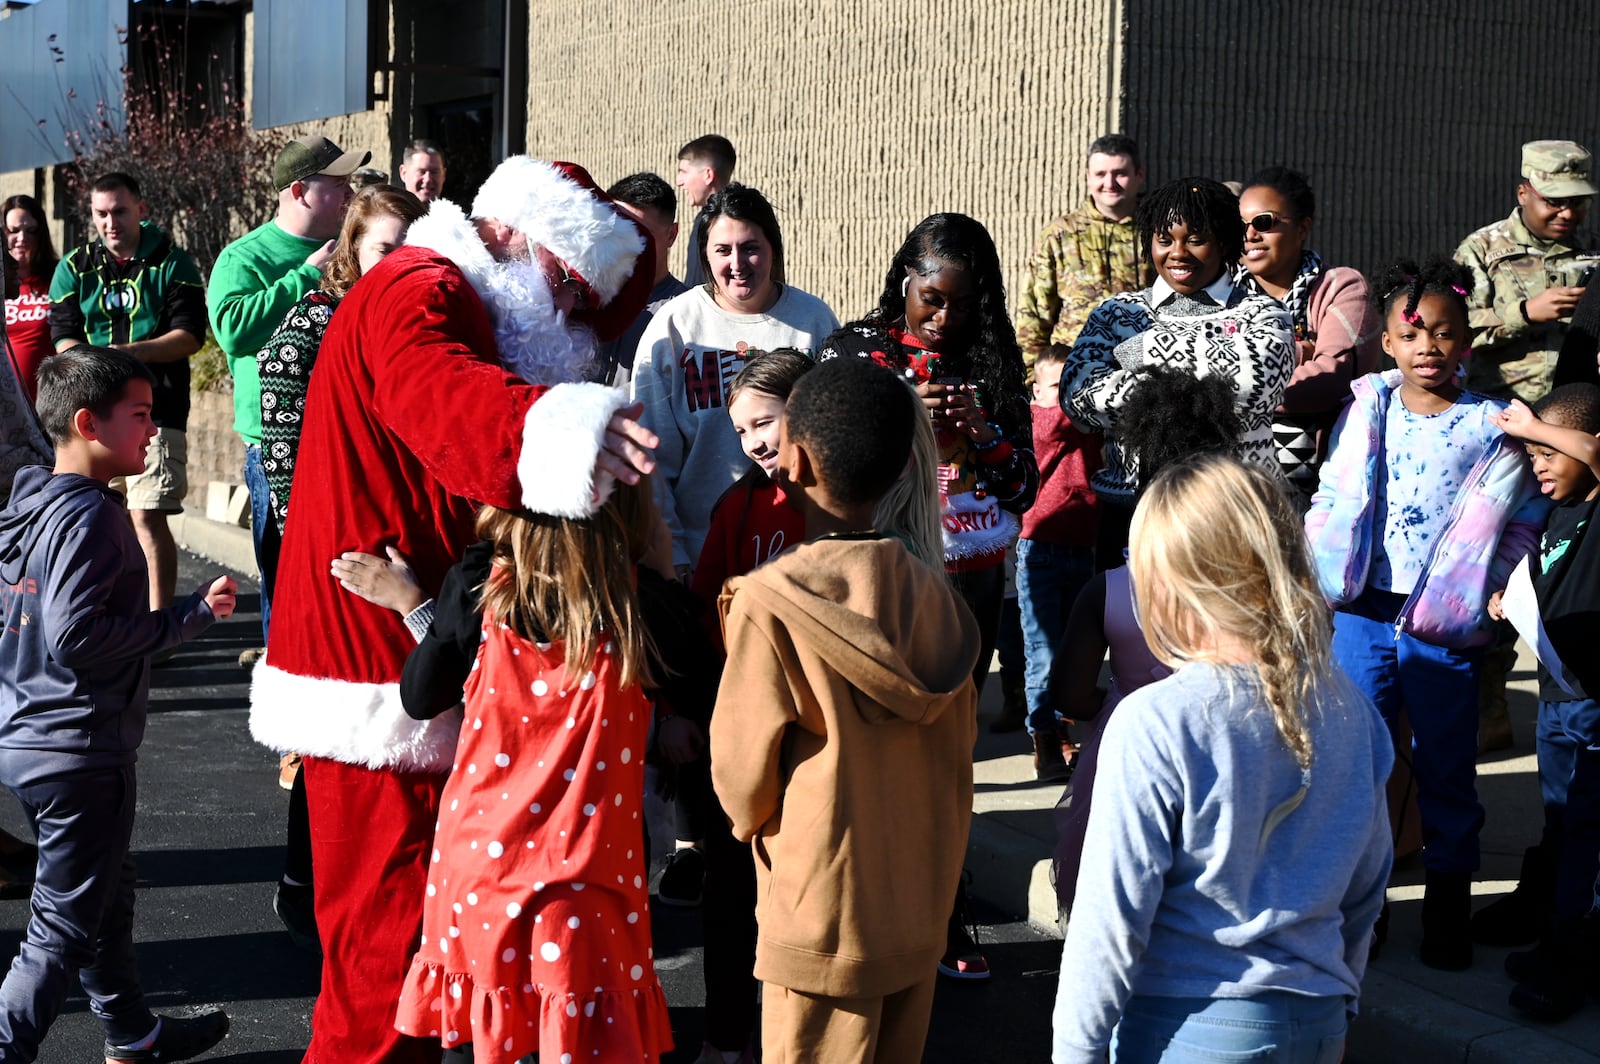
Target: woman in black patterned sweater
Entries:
(374, 225)
(941, 322)
(1193, 319)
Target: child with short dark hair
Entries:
(1423, 509)
(1555, 900)
(1055, 554)
(79, 633)
(846, 747)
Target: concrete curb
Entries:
(1402, 1021)
(228, 545)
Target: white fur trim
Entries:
(356, 723)
(447, 230)
(551, 210)
(991, 531)
(561, 441)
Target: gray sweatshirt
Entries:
(689, 354)
(1201, 875)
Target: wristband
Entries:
(1523, 309)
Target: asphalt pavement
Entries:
(208, 845)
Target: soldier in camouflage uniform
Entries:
(1084, 257)
(1527, 273)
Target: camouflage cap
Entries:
(1558, 168)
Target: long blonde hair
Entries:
(1217, 552)
(910, 508)
(572, 580)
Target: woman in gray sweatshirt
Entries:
(1238, 848)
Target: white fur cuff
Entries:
(356, 723)
(562, 437)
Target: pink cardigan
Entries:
(1348, 337)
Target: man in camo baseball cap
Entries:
(1558, 169)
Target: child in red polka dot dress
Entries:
(536, 924)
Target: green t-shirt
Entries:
(256, 280)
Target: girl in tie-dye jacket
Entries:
(1423, 509)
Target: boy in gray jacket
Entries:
(78, 630)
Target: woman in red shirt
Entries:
(30, 262)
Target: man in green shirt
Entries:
(130, 288)
(256, 280)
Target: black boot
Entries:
(1013, 707)
(1552, 978)
(1050, 765)
(1447, 921)
(1517, 918)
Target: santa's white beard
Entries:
(535, 341)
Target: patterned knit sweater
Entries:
(1222, 332)
(285, 370)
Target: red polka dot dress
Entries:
(536, 924)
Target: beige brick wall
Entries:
(856, 119)
(1408, 118)
(215, 450)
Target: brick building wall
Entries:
(857, 119)
(1408, 118)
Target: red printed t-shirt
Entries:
(28, 329)
(752, 523)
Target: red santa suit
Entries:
(411, 422)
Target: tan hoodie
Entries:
(841, 745)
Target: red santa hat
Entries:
(558, 206)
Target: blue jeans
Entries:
(1568, 740)
(1437, 688)
(1272, 1026)
(1049, 577)
(82, 920)
(263, 530)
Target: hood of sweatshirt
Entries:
(888, 623)
(35, 490)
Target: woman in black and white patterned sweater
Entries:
(1192, 319)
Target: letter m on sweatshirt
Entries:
(702, 384)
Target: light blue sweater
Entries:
(1188, 890)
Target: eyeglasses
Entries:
(1574, 204)
(1265, 222)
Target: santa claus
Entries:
(413, 420)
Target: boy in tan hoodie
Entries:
(841, 744)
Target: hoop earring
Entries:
(905, 285)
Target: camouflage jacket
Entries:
(1080, 260)
(1512, 358)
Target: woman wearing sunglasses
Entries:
(1337, 333)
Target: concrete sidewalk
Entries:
(1408, 1012)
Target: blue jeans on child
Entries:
(1277, 1025)
(82, 913)
(1437, 687)
(263, 530)
(1568, 739)
(1049, 577)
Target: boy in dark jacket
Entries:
(78, 632)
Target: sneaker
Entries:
(683, 881)
(294, 906)
(288, 769)
(962, 958)
(178, 1037)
